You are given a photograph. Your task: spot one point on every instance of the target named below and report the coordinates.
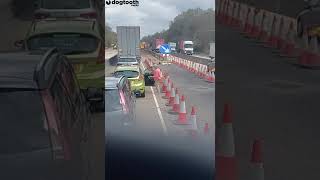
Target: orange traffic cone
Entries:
(256, 165)
(194, 127)
(168, 91)
(210, 77)
(182, 119)
(176, 104)
(172, 96)
(165, 84)
(225, 149)
(206, 129)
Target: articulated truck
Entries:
(128, 38)
(186, 47)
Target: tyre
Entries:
(143, 94)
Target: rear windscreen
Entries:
(113, 100)
(63, 4)
(68, 43)
(128, 74)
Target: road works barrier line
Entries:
(164, 127)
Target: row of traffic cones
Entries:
(177, 102)
(280, 34)
(199, 69)
(226, 162)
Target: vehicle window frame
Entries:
(75, 94)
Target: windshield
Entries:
(188, 46)
(113, 100)
(63, 4)
(128, 73)
(127, 60)
(22, 122)
(68, 43)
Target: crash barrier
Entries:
(226, 159)
(272, 30)
(176, 103)
(200, 70)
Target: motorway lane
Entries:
(198, 93)
(149, 116)
(271, 99)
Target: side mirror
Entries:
(19, 43)
(95, 97)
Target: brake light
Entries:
(41, 15)
(141, 78)
(90, 15)
(101, 59)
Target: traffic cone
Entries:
(172, 96)
(206, 129)
(193, 130)
(225, 149)
(182, 119)
(176, 104)
(314, 50)
(305, 55)
(168, 91)
(210, 77)
(165, 84)
(256, 164)
(289, 48)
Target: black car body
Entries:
(45, 119)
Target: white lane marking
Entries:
(164, 127)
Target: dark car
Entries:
(309, 17)
(120, 106)
(45, 119)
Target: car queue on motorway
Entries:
(49, 91)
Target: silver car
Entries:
(120, 104)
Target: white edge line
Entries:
(164, 127)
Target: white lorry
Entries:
(128, 41)
(186, 47)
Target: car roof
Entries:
(26, 69)
(127, 68)
(81, 26)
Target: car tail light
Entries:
(101, 59)
(41, 15)
(90, 15)
(141, 78)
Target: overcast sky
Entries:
(151, 15)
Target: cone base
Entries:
(179, 122)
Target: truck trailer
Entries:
(186, 47)
(128, 38)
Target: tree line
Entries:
(110, 36)
(194, 24)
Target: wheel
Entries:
(143, 94)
